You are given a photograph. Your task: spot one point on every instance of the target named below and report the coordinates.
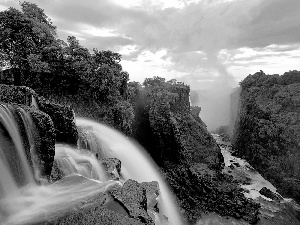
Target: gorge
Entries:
(80, 144)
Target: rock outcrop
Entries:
(62, 116)
(189, 157)
(267, 128)
(52, 122)
(37, 136)
(117, 205)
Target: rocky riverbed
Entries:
(274, 208)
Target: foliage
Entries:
(23, 36)
(267, 132)
(53, 67)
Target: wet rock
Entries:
(112, 167)
(270, 194)
(133, 196)
(44, 140)
(236, 164)
(210, 191)
(99, 208)
(38, 137)
(62, 116)
(152, 193)
(64, 121)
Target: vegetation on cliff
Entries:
(179, 142)
(267, 128)
(64, 72)
(157, 113)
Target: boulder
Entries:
(152, 193)
(98, 208)
(112, 167)
(64, 121)
(133, 196)
(270, 194)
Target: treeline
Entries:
(92, 82)
(29, 47)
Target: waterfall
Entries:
(23, 201)
(15, 169)
(136, 163)
(73, 161)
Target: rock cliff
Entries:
(267, 128)
(189, 157)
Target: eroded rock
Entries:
(133, 196)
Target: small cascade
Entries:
(15, 170)
(22, 201)
(136, 163)
(34, 103)
(74, 161)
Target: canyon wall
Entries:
(267, 128)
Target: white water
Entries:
(35, 203)
(12, 150)
(136, 163)
(23, 201)
(33, 102)
(74, 161)
(257, 182)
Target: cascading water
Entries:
(15, 170)
(136, 164)
(23, 201)
(73, 161)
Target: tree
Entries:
(23, 36)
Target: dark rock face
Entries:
(44, 140)
(152, 192)
(64, 121)
(62, 116)
(112, 167)
(209, 191)
(267, 129)
(53, 122)
(190, 158)
(38, 137)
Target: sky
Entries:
(210, 45)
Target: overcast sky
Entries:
(205, 43)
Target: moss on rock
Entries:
(44, 140)
(63, 118)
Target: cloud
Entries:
(273, 22)
(202, 39)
